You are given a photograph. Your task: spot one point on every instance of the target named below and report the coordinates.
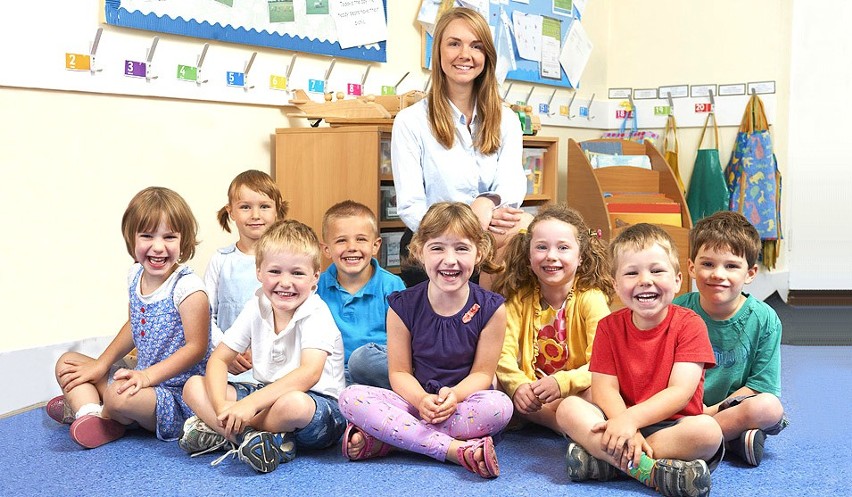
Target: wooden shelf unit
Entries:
(318, 167)
(587, 188)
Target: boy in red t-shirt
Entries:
(647, 367)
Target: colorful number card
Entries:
(236, 79)
(316, 86)
(135, 69)
(277, 82)
(187, 73)
(78, 62)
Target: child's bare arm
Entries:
(485, 360)
(400, 369)
(683, 381)
(195, 317)
(216, 376)
(73, 374)
(712, 410)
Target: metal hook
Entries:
(529, 95)
(400, 81)
(671, 103)
(589, 115)
(549, 101)
(364, 77)
(327, 74)
(570, 103)
(506, 93)
(94, 50)
(632, 105)
(246, 86)
(150, 57)
(290, 67)
(199, 62)
(712, 99)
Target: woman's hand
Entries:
(503, 219)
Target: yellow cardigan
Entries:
(517, 359)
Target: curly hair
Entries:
(594, 269)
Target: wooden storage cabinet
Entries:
(318, 167)
(589, 187)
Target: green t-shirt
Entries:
(747, 349)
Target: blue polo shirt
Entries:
(360, 317)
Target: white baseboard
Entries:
(27, 375)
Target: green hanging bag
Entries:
(708, 192)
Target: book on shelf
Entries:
(645, 212)
(389, 254)
(533, 162)
(385, 157)
(388, 203)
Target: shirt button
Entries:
(141, 309)
(143, 321)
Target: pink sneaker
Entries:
(92, 431)
(59, 411)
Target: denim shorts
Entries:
(326, 425)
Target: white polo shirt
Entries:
(274, 356)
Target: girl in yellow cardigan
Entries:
(557, 287)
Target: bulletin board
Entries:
(308, 27)
(527, 70)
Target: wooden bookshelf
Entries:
(589, 187)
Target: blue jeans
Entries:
(326, 425)
(368, 365)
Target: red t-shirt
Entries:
(642, 360)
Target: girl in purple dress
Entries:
(444, 339)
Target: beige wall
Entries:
(71, 161)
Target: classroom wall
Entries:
(70, 161)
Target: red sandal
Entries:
(373, 447)
(466, 456)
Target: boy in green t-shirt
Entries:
(742, 391)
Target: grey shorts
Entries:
(326, 425)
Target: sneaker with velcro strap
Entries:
(198, 438)
(583, 466)
(263, 451)
(748, 446)
(676, 478)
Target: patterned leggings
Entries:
(388, 417)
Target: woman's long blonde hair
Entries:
(488, 104)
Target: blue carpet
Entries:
(811, 457)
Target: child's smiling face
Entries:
(646, 283)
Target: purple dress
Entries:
(443, 347)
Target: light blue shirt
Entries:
(424, 172)
(361, 317)
(230, 280)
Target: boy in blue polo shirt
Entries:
(355, 288)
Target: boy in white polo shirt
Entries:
(297, 354)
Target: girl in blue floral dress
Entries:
(169, 324)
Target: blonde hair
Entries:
(289, 236)
(259, 182)
(489, 107)
(640, 237)
(456, 218)
(349, 208)
(151, 206)
(593, 272)
(726, 230)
